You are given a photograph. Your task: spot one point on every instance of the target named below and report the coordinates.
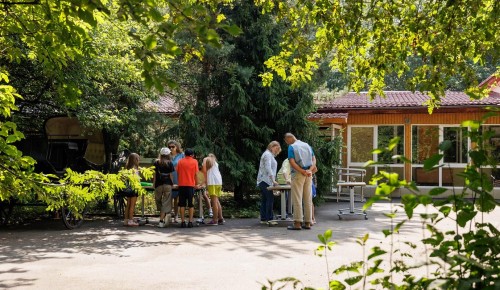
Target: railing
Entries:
(346, 175)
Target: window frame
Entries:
(376, 167)
(441, 163)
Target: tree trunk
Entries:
(238, 193)
(111, 143)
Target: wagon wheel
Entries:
(70, 220)
(119, 203)
(5, 212)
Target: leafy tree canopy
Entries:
(368, 40)
(87, 55)
(227, 111)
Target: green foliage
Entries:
(283, 283)
(111, 92)
(327, 154)
(104, 60)
(402, 82)
(15, 169)
(91, 57)
(435, 40)
(18, 180)
(8, 95)
(57, 32)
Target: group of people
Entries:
(176, 177)
(302, 166)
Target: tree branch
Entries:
(34, 2)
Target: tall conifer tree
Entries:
(229, 112)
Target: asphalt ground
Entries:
(242, 254)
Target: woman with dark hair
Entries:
(162, 181)
(132, 163)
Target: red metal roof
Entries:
(404, 99)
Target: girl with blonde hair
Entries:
(213, 179)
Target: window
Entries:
(459, 144)
(425, 142)
(493, 147)
(364, 139)
(361, 144)
(325, 132)
(384, 136)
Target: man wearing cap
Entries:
(162, 181)
(303, 164)
(186, 172)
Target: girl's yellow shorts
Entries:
(214, 190)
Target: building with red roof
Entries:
(366, 125)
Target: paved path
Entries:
(239, 255)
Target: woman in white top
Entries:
(265, 178)
(213, 178)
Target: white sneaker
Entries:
(161, 224)
(132, 223)
(272, 223)
(210, 213)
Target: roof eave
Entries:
(400, 108)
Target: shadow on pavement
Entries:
(103, 236)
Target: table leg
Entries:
(201, 217)
(283, 205)
(142, 206)
(351, 199)
(290, 207)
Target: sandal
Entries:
(292, 228)
(306, 227)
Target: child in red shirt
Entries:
(186, 172)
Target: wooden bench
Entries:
(349, 176)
